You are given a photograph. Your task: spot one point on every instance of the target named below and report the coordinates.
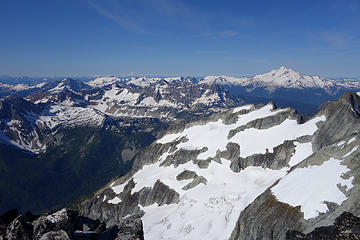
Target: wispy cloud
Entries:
(210, 52)
(143, 48)
(118, 18)
(172, 7)
(335, 38)
(222, 34)
(141, 15)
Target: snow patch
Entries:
(214, 135)
(115, 200)
(310, 187)
(351, 140)
(246, 107)
(302, 151)
(351, 152)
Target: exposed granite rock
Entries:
(276, 160)
(231, 153)
(266, 218)
(202, 163)
(342, 119)
(129, 205)
(186, 174)
(196, 181)
(182, 156)
(346, 226)
(160, 194)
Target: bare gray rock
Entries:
(186, 174)
(276, 160)
(55, 235)
(196, 181)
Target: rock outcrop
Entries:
(346, 226)
(65, 225)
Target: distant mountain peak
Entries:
(285, 69)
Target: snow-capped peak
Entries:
(282, 77)
(100, 81)
(286, 77)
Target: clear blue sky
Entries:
(178, 37)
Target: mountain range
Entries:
(284, 85)
(216, 157)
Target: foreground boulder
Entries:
(346, 226)
(65, 225)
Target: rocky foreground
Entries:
(65, 225)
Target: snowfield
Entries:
(214, 135)
(207, 211)
(310, 187)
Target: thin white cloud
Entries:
(140, 15)
(117, 18)
(226, 34)
(334, 38)
(222, 34)
(210, 52)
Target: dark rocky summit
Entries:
(65, 225)
(346, 226)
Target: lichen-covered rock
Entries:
(67, 224)
(21, 227)
(62, 220)
(130, 228)
(55, 235)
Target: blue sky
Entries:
(178, 37)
